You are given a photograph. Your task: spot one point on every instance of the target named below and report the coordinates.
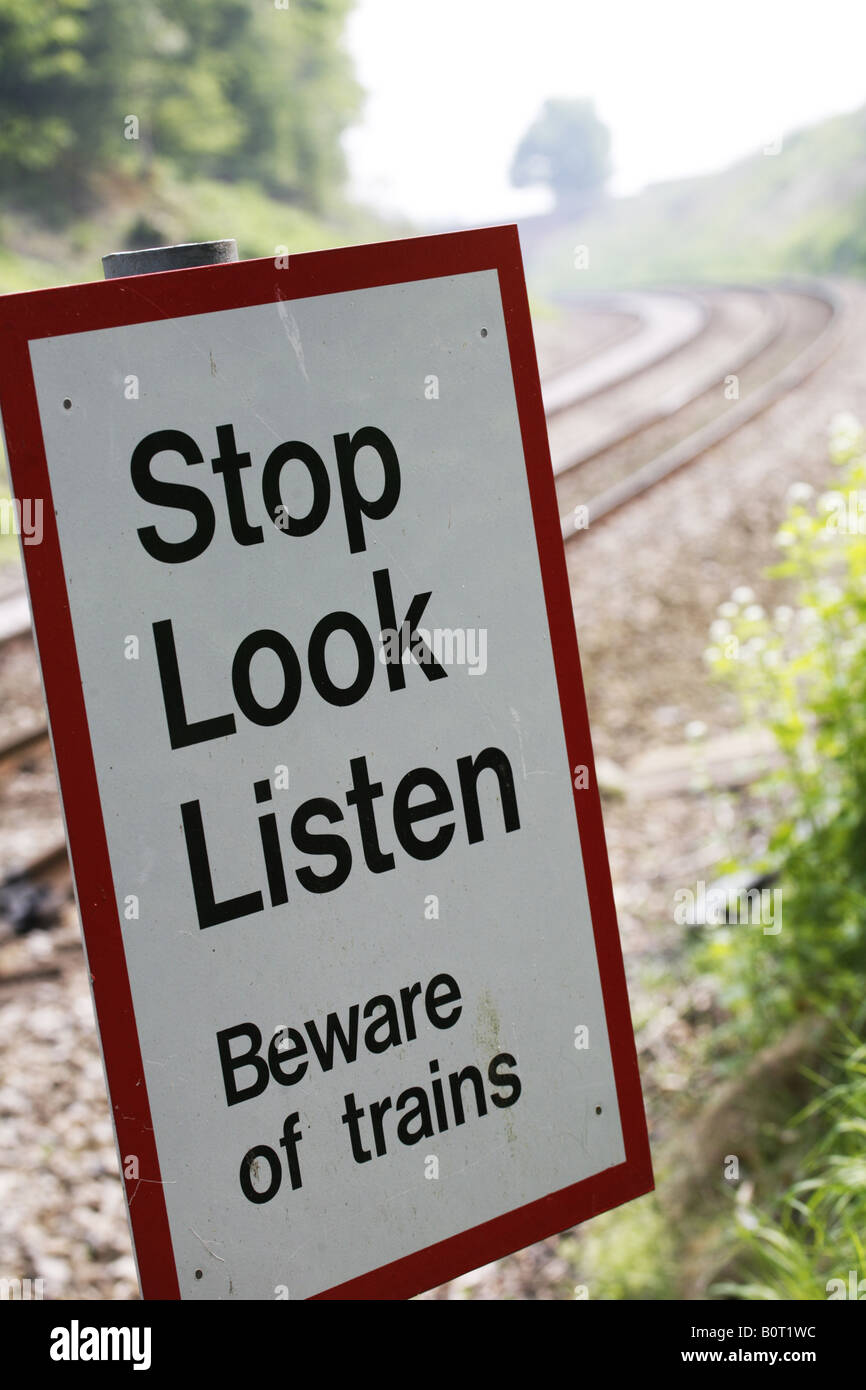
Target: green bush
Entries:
(816, 1232)
(231, 89)
(801, 671)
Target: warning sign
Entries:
(306, 638)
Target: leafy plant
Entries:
(802, 673)
(815, 1232)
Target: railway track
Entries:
(607, 323)
(735, 338)
(669, 320)
(802, 327)
(638, 410)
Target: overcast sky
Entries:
(685, 86)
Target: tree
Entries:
(567, 147)
(228, 89)
(61, 90)
(243, 90)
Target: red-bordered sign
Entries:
(171, 295)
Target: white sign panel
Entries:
(345, 806)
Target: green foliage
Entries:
(815, 1232)
(197, 209)
(627, 1253)
(229, 89)
(61, 89)
(237, 89)
(568, 147)
(802, 673)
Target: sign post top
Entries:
(184, 256)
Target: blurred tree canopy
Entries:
(567, 147)
(228, 89)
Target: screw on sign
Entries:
(373, 906)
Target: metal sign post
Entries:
(184, 256)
